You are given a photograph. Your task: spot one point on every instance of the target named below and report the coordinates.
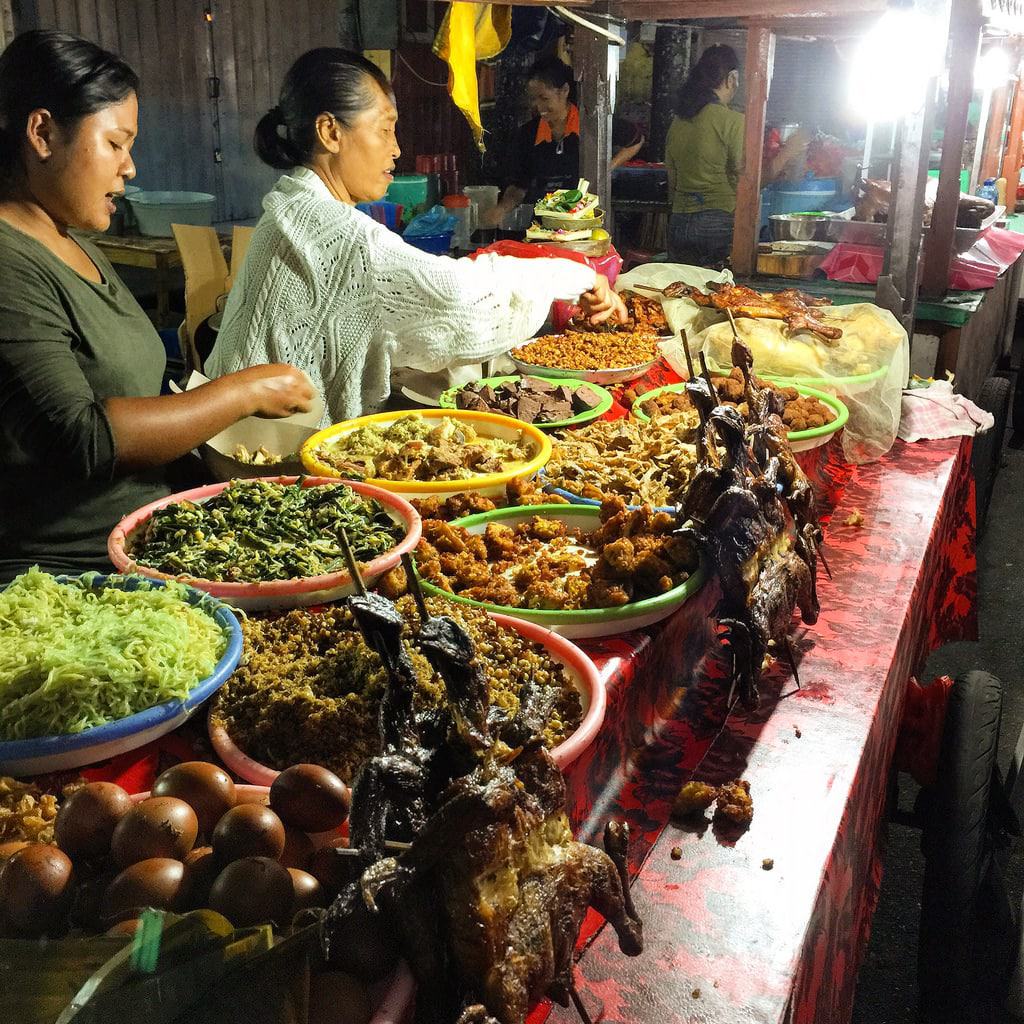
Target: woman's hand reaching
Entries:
(275, 390)
(602, 303)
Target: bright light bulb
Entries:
(992, 69)
(893, 63)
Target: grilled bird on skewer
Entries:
(488, 900)
(740, 504)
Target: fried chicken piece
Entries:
(734, 804)
(497, 590)
(612, 506)
(620, 556)
(444, 536)
(540, 528)
(430, 508)
(693, 798)
(499, 540)
(544, 594)
(465, 572)
(393, 584)
(662, 522)
(652, 570)
(604, 593)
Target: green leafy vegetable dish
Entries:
(258, 530)
(73, 657)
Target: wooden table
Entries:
(160, 255)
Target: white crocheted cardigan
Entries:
(329, 290)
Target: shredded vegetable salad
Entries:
(73, 656)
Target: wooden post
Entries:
(965, 37)
(758, 72)
(591, 64)
(1014, 143)
(897, 287)
(672, 60)
(992, 154)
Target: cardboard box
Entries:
(283, 436)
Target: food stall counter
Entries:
(770, 925)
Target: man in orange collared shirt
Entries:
(547, 151)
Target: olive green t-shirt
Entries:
(66, 345)
(704, 157)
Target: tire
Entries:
(987, 453)
(958, 854)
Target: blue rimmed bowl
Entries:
(72, 750)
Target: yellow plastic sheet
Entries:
(471, 32)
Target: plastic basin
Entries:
(576, 623)
(155, 212)
(438, 245)
(58, 753)
(580, 668)
(293, 593)
(487, 424)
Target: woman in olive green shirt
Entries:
(704, 156)
(84, 432)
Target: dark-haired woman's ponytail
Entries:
(272, 145)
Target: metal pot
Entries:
(798, 227)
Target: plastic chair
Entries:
(240, 238)
(206, 280)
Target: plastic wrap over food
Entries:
(867, 367)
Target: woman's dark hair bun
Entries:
(273, 146)
(56, 71)
(325, 80)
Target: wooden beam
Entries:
(992, 153)
(964, 40)
(1014, 143)
(591, 65)
(764, 9)
(757, 69)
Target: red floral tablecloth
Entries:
(728, 938)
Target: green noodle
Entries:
(73, 657)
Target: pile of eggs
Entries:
(192, 843)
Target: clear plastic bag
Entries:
(867, 368)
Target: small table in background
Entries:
(157, 254)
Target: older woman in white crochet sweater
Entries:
(327, 289)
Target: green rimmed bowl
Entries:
(578, 624)
(799, 440)
(448, 398)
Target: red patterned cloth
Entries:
(726, 939)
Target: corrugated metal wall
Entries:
(190, 139)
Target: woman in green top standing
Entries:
(704, 156)
(84, 434)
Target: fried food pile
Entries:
(799, 311)
(543, 563)
(797, 412)
(639, 462)
(645, 315)
(415, 448)
(734, 804)
(580, 350)
(486, 902)
(747, 490)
